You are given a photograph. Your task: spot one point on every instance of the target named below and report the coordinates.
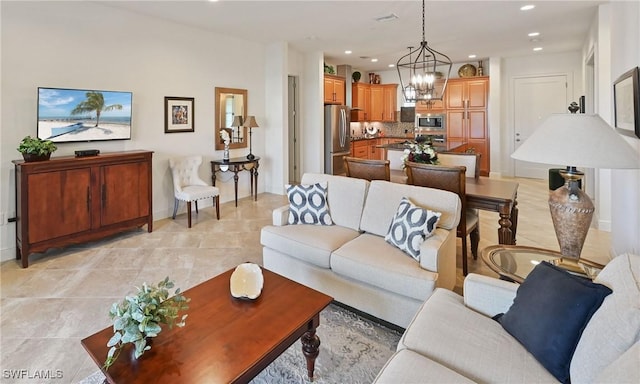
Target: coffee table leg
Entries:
(310, 345)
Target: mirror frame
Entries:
(219, 123)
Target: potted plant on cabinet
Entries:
(137, 318)
(36, 149)
(356, 76)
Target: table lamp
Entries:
(251, 123)
(575, 140)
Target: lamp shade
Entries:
(237, 121)
(250, 122)
(578, 140)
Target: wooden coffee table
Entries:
(225, 340)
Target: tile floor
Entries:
(65, 294)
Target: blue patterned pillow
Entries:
(308, 204)
(410, 227)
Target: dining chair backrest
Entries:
(367, 169)
(469, 160)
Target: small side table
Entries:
(514, 263)
(236, 165)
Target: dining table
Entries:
(496, 196)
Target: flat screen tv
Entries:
(71, 115)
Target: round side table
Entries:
(514, 262)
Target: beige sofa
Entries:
(351, 261)
(453, 339)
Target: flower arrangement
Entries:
(137, 318)
(420, 151)
(224, 135)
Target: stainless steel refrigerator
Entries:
(337, 138)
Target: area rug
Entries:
(353, 350)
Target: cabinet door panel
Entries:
(377, 103)
(328, 90)
(455, 94)
(477, 124)
(125, 191)
(339, 90)
(58, 204)
(455, 125)
(477, 94)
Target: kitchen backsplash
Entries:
(397, 129)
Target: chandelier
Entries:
(429, 72)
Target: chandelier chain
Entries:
(423, 23)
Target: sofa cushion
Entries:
(345, 195)
(625, 369)
(308, 204)
(406, 366)
(551, 309)
(371, 260)
(410, 226)
(384, 197)
(615, 327)
(470, 343)
(310, 243)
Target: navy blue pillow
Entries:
(551, 309)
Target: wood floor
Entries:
(65, 295)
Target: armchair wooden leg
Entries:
(216, 200)
(189, 213)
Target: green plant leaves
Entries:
(138, 317)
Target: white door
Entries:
(535, 98)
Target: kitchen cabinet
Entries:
(466, 102)
(374, 102)
(360, 101)
(384, 102)
(368, 148)
(334, 90)
(67, 200)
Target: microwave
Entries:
(430, 122)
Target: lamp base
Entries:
(250, 156)
(571, 212)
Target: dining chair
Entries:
(188, 186)
(367, 169)
(449, 179)
(470, 160)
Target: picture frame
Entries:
(179, 114)
(626, 103)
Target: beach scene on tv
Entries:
(83, 115)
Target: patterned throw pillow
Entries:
(410, 227)
(308, 204)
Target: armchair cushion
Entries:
(410, 226)
(308, 204)
(549, 313)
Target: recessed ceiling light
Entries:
(472, 56)
(527, 7)
(537, 49)
(374, 60)
(391, 65)
(533, 34)
(347, 52)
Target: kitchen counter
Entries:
(439, 147)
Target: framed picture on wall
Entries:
(179, 113)
(626, 103)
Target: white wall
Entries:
(623, 24)
(90, 46)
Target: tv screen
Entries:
(67, 115)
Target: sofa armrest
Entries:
(280, 216)
(488, 295)
(431, 249)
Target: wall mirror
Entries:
(231, 103)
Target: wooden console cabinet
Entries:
(68, 200)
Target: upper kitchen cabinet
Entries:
(360, 101)
(334, 90)
(467, 93)
(384, 102)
